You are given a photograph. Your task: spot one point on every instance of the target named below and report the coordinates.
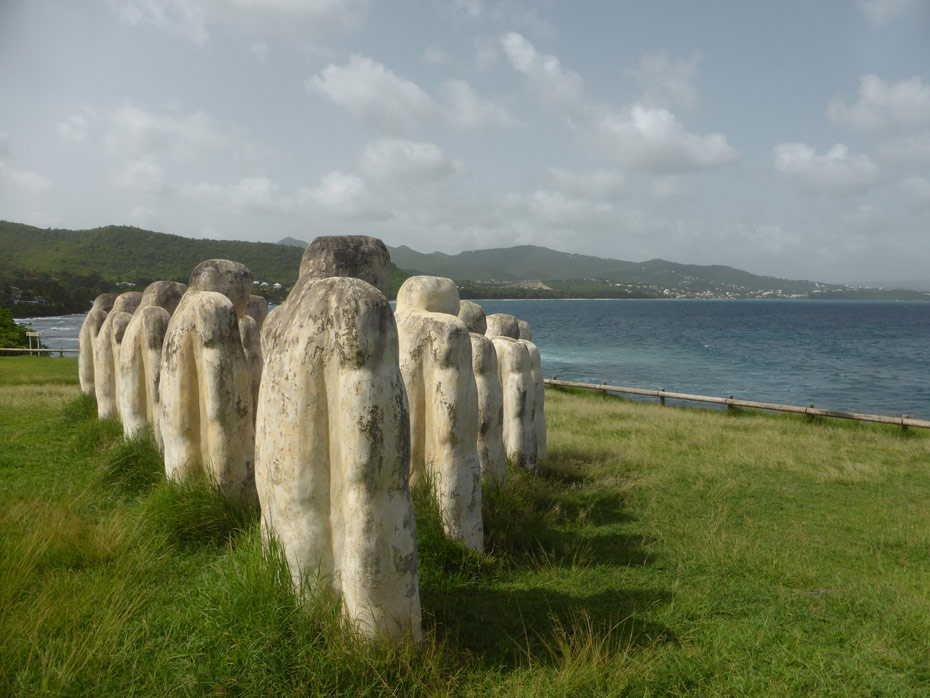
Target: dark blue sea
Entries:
(869, 357)
(845, 355)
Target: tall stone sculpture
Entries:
(106, 353)
(90, 328)
(205, 397)
(491, 454)
(519, 390)
(333, 437)
(139, 362)
(436, 363)
(526, 335)
(257, 309)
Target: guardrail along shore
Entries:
(27, 350)
(731, 402)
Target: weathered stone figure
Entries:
(205, 397)
(436, 362)
(89, 331)
(257, 309)
(473, 316)
(332, 437)
(106, 353)
(519, 389)
(139, 363)
(491, 454)
(542, 447)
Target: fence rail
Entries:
(730, 401)
(27, 350)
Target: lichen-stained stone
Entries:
(90, 328)
(257, 309)
(519, 394)
(436, 363)
(473, 316)
(205, 396)
(502, 325)
(333, 440)
(252, 345)
(491, 454)
(139, 362)
(106, 353)
(542, 447)
(355, 256)
(525, 331)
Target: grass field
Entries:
(661, 551)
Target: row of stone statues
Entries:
(327, 410)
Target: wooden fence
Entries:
(27, 350)
(903, 421)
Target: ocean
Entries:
(843, 355)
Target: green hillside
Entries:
(125, 252)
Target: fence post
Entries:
(661, 397)
(729, 406)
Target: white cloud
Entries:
(26, 181)
(434, 56)
(184, 18)
(259, 194)
(73, 129)
(880, 12)
(918, 189)
(345, 195)
(192, 19)
(375, 95)
(402, 162)
(390, 104)
(260, 50)
(914, 148)
(144, 176)
(641, 137)
(465, 109)
(670, 187)
(600, 184)
(838, 171)
(668, 82)
(882, 105)
(468, 9)
(653, 140)
(553, 85)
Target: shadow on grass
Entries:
(508, 628)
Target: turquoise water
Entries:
(844, 355)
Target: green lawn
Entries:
(662, 551)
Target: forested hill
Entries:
(124, 252)
(541, 263)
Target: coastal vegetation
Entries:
(51, 272)
(661, 551)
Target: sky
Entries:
(785, 138)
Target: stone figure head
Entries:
(232, 279)
(435, 294)
(472, 315)
(503, 325)
(163, 294)
(104, 302)
(127, 302)
(525, 331)
(357, 256)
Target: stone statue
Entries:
(491, 454)
(106, 353)
(139, 362)
(436, 363)
(333, 437)
(89, 331)
(205, 395)
(525, 331)
(515, 363)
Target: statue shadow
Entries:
(561, 522)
